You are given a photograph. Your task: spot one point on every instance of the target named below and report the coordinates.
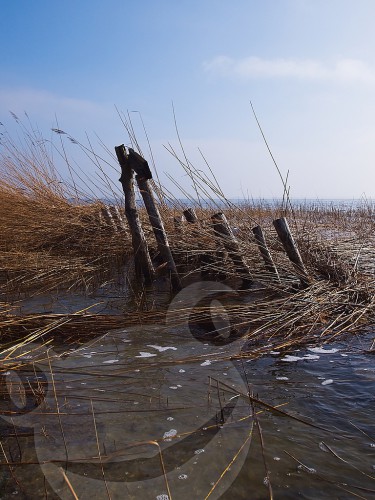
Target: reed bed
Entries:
(55, 236)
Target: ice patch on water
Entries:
(145, 355)
(173, 387)
(181, 371)
(275, 353)
(170, 418)
(277, 458)
(169, 434)
(206, 363)
(110, 361)
(282, 378)
(292, 359)
(198, 452)
(321, 350)
(344, 355)
(327, 382)
(162, 349)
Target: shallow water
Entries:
(119, 410)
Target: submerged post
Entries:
(265, 253)
(230, 242)
(290, 247)
(142, 259)
(141, 168)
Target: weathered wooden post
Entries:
(141, 168)
(290, 247)
(142, 260)
(223, 230)
(265, 253)
(190, 215)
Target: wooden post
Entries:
(290, 247)
(223, 230)
(143, 264)
(265, 253)
(190, 215)
(141, 168)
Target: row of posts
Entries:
(134, 167)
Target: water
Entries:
(138, 400)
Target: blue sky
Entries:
(308, 66)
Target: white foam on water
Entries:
(275, 353)
(181, 371)
(344, 355)
(170, 418)
(327, 382)
(174, 387)
(110, 361)
(206, 363)
(277, 458)
(162, 496)
(182, 476)
(282, 378)
(291, 359)
(169, 434)
(198, 452)
(145, 355)
(162, 349)
(321, 350)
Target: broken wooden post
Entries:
(141, 168)
(142, 260)
(223, 230)
(265, 253)
(190, 215)
(290, 247)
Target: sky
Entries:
(307, 67)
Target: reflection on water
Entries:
(152, 412)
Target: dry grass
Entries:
(53, 238)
